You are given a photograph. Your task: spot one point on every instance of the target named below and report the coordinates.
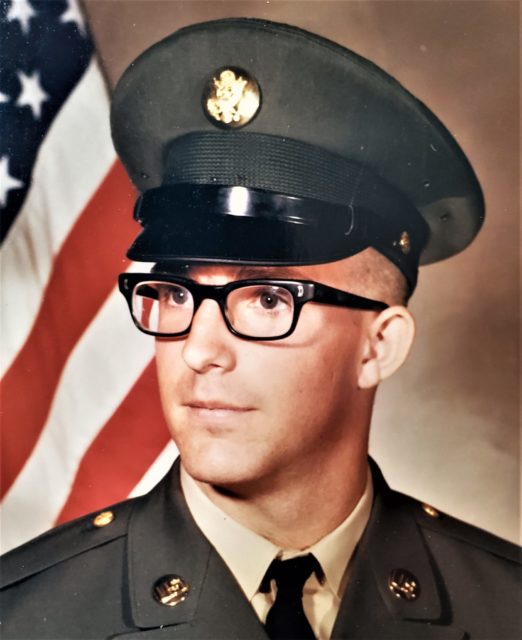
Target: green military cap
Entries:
(257, 142)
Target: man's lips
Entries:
(215, 405)
(215, 414)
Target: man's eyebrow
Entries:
(248, 272)
(244, 272)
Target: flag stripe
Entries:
(62, 186)
(106, 362)
(156, 471)
(121, 453)
(74, 386)
(77, 288)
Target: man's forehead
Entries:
(334, 273)
(228, 272)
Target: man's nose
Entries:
(209, 345)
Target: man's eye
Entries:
(271, 299)
(268, 300)
(174, 296)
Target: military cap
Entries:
(257, 142)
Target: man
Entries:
(289, 191)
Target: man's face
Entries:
(247, 413)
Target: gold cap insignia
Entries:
(231, 98)
(170, 590)
(403, 584)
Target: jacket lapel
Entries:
(164, 541)
(393, 543)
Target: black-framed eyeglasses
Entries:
(265, 309)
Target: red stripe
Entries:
(83, 275)
(122, 452)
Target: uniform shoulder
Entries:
(65, 542)
(435, 521)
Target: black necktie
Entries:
(286, 619)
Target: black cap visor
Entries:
(250, 226)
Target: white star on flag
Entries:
(32, 94)
(7, 181)
(73, 14)
(3, 97)
(22, 11)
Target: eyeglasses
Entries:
(163, 305)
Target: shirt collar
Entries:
(335, 550)
(248, 555)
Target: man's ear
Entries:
(388, 343)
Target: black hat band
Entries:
(228, 182)
(279, 165)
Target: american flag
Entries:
(81, 418)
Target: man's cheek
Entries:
(168, 365)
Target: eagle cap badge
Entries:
(231, 98)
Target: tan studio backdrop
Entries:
(446, 427)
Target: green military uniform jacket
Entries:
(87, 581)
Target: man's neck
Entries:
(296, 514)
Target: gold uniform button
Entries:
(403, 243)
(170, 590)
(403, 584)
(103, 519)
(430, 511)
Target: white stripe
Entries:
(72, 162)
(156, 471)
(105, 363)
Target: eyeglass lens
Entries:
(260, 310)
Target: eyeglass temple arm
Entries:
(329, 295)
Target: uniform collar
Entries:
(392, 542)
(163, 539)
(248, 555)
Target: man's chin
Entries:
(225, 472)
